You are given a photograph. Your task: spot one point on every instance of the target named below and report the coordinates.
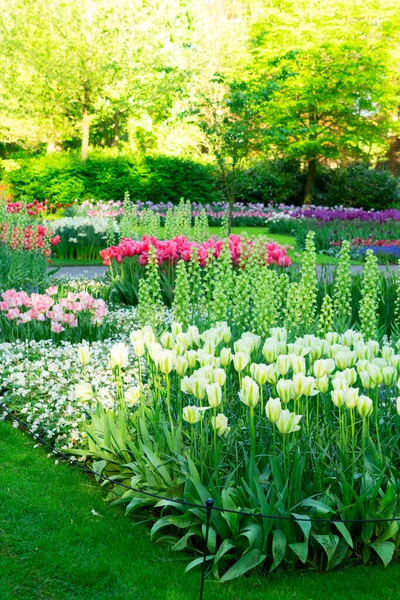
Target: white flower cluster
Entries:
(38, 381)
(100, 225)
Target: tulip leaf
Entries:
(182, 543)
(321, 508)
(99, 466)
(328, 542)
(345, 532)
(340, 554)
(301, 550)
(163, 522)
(182, 521)
(212, 538)
(249, 561)
(304, 523)
(136, 503)
(223, 549)
(253, 532)
(384, 550)
(389, 532)
(198, 561)
(278, 547)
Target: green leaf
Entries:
(389, 532)
(163, 522)
(305, 525)
(384, 550)
(99, 466)
(223, 549)
(198, 561)
(249, 561)
(301, 550)
(345, 532)
(183, 521)
(328, 542)
(212, 538)
(339, 555)
(278, 547)
(253, 532)
(322, 509)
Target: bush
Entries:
(63, 177)
(356, 186)
(279, 181)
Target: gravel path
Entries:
(81, 271)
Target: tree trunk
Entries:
(85, 134)
(393, 155)
(311, 171)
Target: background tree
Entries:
(231, 127)
(334, 92)
(77, 61)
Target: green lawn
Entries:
(53, 548)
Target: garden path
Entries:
(98, 270)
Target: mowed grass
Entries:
(52, 547)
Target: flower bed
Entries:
(305, 430)
(83, 237)
(40, 316)
(181, 248)
(257, 394)
(128, 261)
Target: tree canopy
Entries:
(101, 73)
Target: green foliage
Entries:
(278, 181)
(342, 293)
(62, 178)
(22, 269)
(309, 283)
(356, 186)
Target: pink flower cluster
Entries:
(33, 208)
(24, 308)
(32, 237)
(181, 248)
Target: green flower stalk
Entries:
(150, 302)
(308, 283)
(266, 301)
(223, 287)
(224, 227)
(293, 312)
(342, 289)
(326, 316)
(369, 297)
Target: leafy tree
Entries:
(333, 87)
(231, 128)
(78, 61)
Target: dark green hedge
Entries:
(63, 177)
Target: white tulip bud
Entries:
(364, 406)
(249, 392)
(273, 409)
(214, 394)
(84, 355)
(119, 355)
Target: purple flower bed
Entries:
(339, 213)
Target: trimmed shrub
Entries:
(356, 186)
(63, 177)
